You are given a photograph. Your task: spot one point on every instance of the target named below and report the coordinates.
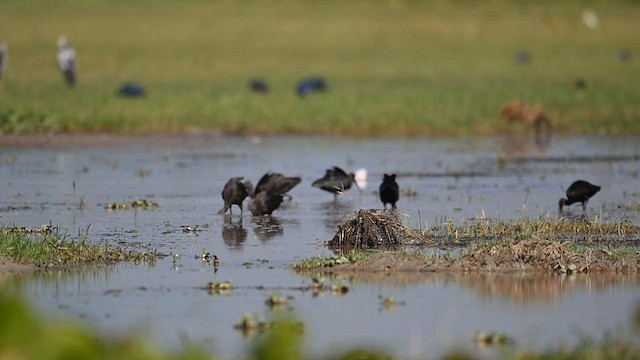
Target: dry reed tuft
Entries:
(373, 229)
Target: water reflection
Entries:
(525, 288)
(61, 278)
(233, 232)
(455, 180)
(337, 208)
(266, 227)
(524, 145)
(534, 288)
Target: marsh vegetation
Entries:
(46, 247)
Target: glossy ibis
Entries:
(580, 191)
(389, 191)
(265, 203)
(234, 193)
(275, 183)
(335, 180)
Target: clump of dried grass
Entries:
(374, 229)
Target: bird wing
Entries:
(328, 174)
(261, 184)
(283, 185)
(339, 172)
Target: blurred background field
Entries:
(392, 67)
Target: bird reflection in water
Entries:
(266, 227)
(525, 145)
(233, 233)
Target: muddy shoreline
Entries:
(9, 267)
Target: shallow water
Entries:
(453, 179)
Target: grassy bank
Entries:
(402, 68)
(45, 247)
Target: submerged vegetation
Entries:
(47, 247)
(445, 67)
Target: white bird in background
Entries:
(4, 58)
(590, 19)
(361, 178)
(67, 60)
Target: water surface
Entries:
(454, 179)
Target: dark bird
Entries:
(67, 60)
(265, 203)
(624, 55)
(335, 180)
(234, 193)
(310, 85)
(389, 191)
(580, 84)
(4, 58)
(259, 86)
(275, 183)
(522, 57)
(580, 191)
(132, 89)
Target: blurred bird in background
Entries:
(259, 86)
(4, 58)
(67, 60)
(310, 85)
(132, 89)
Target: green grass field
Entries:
(392, 67)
